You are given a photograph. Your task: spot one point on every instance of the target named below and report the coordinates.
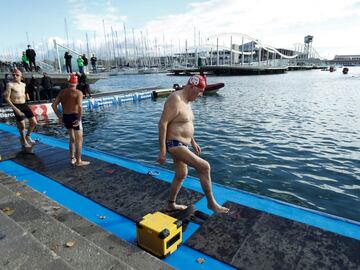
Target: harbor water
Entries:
(294, 137)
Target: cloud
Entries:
(279, 23)
(89, 16)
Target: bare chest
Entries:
(185, 114)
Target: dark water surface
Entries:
(294, 137)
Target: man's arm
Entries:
(168, 114)
(80, 100)
(55, 105)
(6, 96)
(79, 104)
(195, 146)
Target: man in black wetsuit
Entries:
(30, 54)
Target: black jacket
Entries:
(67, 57)
(30, 54)
(93, 60)
(46, 82)
(86, 61)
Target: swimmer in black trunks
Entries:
(71, 103)
(15, 96)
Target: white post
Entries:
(217, 51)
(259, 60)
(242, 51)
(231, 60)
(57, 53)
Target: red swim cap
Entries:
(198, 81)
(73, 79)
(16, 72)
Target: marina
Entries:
(186, 135)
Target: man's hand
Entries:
(196, 148)
(76, 123)
(161, 158)
(60, 120)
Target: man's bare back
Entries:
(70, 100)
(181, 127)
(71, 103)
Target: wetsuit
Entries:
(69, 120)
(25, 109)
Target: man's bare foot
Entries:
(172, 206)
(73, 161)
(82, 163)
(30, 140)
(25, 144)
(218, 208)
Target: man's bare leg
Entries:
(203, 168)
(78, 148)
(21, 128)
(180, 174)
(72, 145)
(32, 125)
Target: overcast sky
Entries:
(279, 23)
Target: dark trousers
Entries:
(48, 93)
(1, 97)
(26, 66)
(32, 64)
(68, 68)
(35, 95)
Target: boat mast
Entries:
(135, 49)
(66, 32)
(113, 44)
(126, 52)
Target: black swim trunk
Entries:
(69, 120)
(174, 143)
(25, 109)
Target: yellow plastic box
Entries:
(159, 234)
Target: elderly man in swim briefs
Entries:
(71, 103)
(176, 133)
(15, 96)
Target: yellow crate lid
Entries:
(158, 221)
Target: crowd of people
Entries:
(42, 89)
(82, 63)
(28, 59)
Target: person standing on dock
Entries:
(31, 54)
(86, 62)
(93, 60)
(33, 89)
(47, 85)
(15, 96)
(25, 62)
(80, 62)
(71, 103)
(176, 133)
(68, 57)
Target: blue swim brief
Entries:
(174, 143)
